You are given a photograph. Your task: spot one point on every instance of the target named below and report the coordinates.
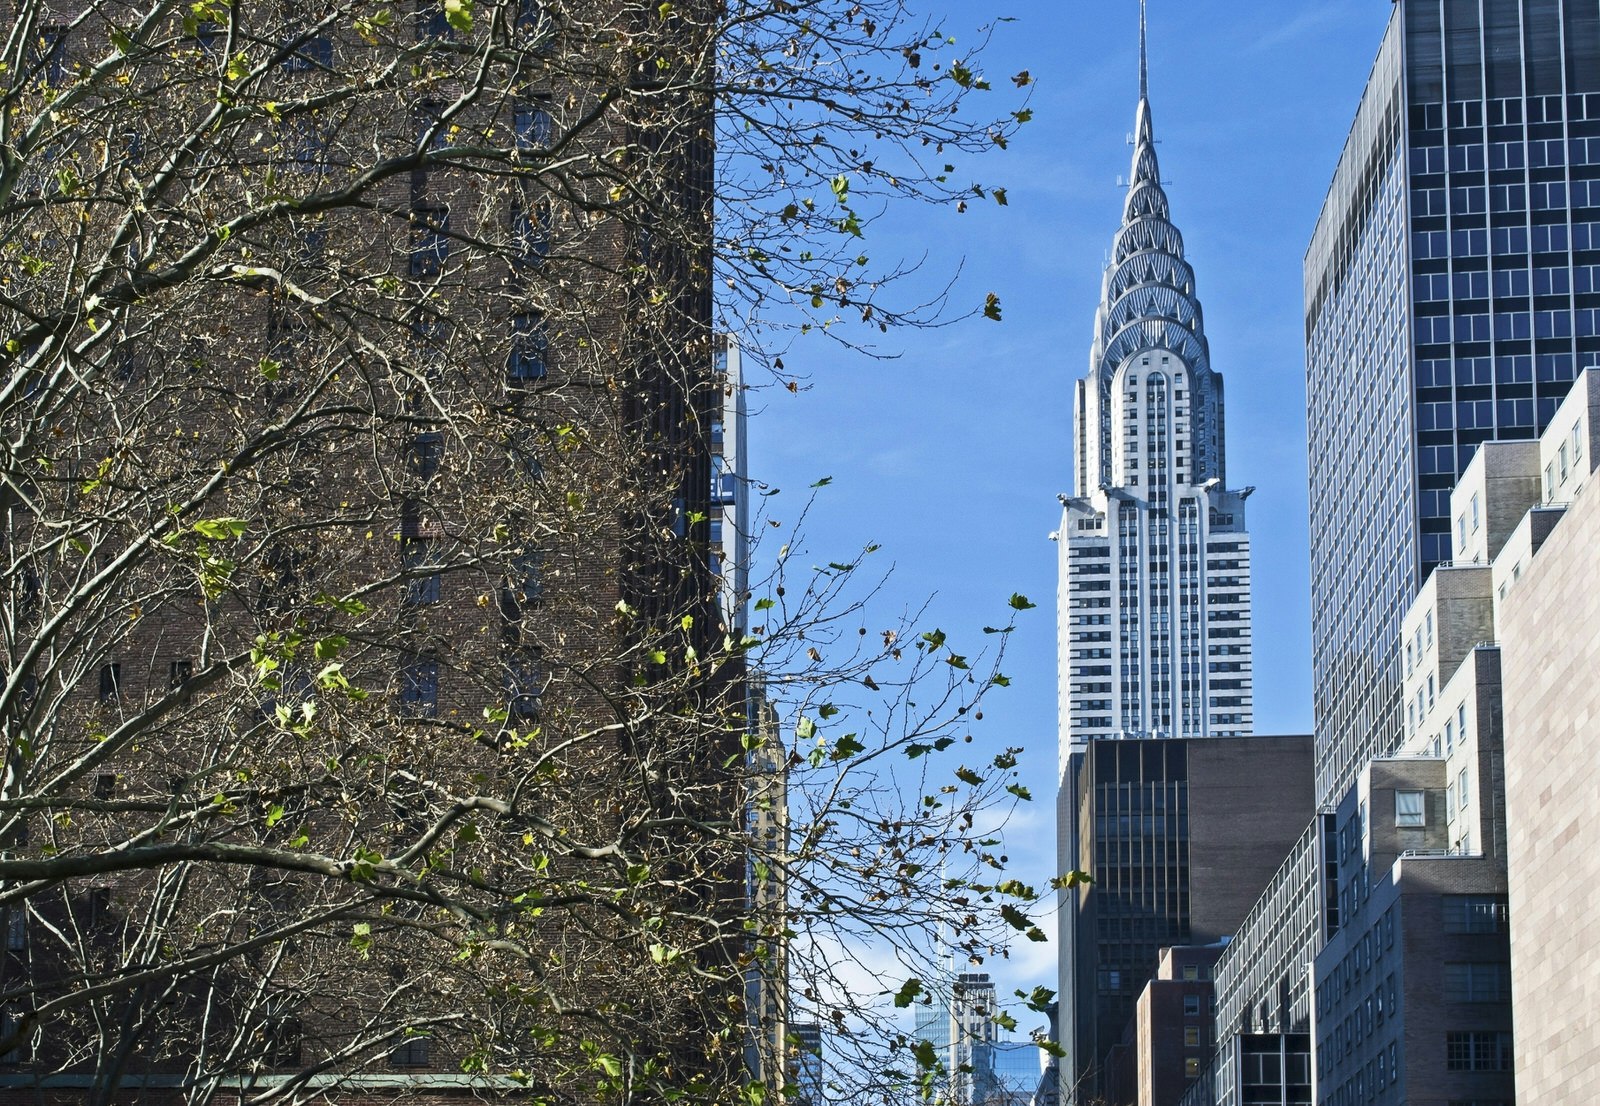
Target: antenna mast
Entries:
(1144, 58)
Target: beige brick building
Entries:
(1549, 625)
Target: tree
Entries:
(367, 699)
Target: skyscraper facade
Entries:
(1452, 295)
(1154, 610)
(1451, 291)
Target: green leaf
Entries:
(805, 729)
(221, 529)
(765, 604)
(458, 13)
(927, 1056)
(908, 992)
(847, 746)
(1000, 680)
(967, 775)
(934, 638)
(1020, 792)
(1020, 602)
(1015, 918)
(823, 483)
(827, 711)
(991, 307)
(1005, 1021)
(1039, 999)
(1070, 879)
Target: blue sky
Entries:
(951, 455)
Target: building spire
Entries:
(1144, 57)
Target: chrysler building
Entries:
(1154, 605)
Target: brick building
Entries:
(359, 402)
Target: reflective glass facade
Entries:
(1452, 295)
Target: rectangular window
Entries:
(1478, 1050)
(1191, 1036)
(1477, 982)
(1191, 1006)
(410, 1053)
(527, 361)
(532, 126)
(110, 681)
(419, 688)
(421, 558)
(430, 241)
(1474, 914)
(424, 454)
(1409, 809)
(48, 58)
(1462, 788)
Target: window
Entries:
(422, 562)
(283, 1040)
(49, 55)
(10, 1021)
(419, 689)
(1191, 1036)
(1474, 914)
(110, 681)
(1478, 1050)
(424, 454)
(410, 1053)
(523, 684)
(532, 126)
(1477, 982)
(1409, 809)
(530, 234)
(1191, 971)
(1461, 789)
(1191, 1006)
(1191, 1067)
(1461, 721)
(526, 362)
(1474, 512)
(315, 52)
(1577, 442)
(430, 241)
(524, 584)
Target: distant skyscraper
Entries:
(1153, 625)
(1154, 617)
(984, 1067)
(1452, 295)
